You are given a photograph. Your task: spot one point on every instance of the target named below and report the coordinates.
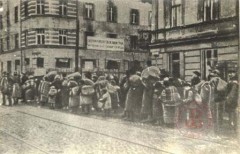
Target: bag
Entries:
(100, 104)
(221, 85)
(197, 98)
(87, 90)
(176, 97)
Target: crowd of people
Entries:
(150, 95)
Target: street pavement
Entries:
(26, 129)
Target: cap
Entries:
(197, 73)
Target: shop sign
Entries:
(109, 44)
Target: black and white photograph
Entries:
(119, 77)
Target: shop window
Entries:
(40, 6)
(112, 64)
(89, 64)
(111, 35)
(210, 61)
(9, 67)
(134, 17)
(63, 62)
(176, 13)
(174, 62)
(62, 37)
(62, 7)
(111, 12)
(40, 62)
(40, 36)
(89, 11)
(16, 14)
(16, 41)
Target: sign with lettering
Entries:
(109, 44)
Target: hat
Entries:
(31, 77)
(216, 71)
(57, 77)
(52, 87)
(197, 73)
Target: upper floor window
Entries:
(1, 22)
(16, 14)
(8, 18)
(8, 43)
(16, 41)
(150, 18)
(62, 36)
(176, 13)
(134, 19)
(40, 36)
(1, 45)
(62, 7)
(111, 12)
(89, 11)
(40, 6)
(208, 10)
(211, 10)
(25, 38)
(25, 3)
(40, 62)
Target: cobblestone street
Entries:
(25, 129)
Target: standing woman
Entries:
(17, 91)
(57, 83)
(65, 94)
(74, 98)
(29, 87)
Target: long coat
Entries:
(232, 96)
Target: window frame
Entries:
(133, 41)
(112, 13)
(16, 40)
(176, 11)
(63, 7)
(16, 14)
(40, 36)
(89, 13)
(26, 13)
(37, 62)
(62, 36)
(136, 19)
(40, 9)
(209, 12)
(58, 63)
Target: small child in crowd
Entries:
(52, 97)
(106, 101)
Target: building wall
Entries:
(195, 37)
(52, 22)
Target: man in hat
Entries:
(196, 78)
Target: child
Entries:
(106, 100)
(52, 97)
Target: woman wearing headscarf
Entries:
(17, 91)
(57, 83)
(29, 87)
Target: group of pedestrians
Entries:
(150, 95)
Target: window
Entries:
(86, 35)
(89, 64)
(174, 62)
(40, 36)
(25, 3)
(176, 13)
(62, 36)
(134, 17)
(210, 60)
(40, 7)
(8, 42)
(89, 11)
(25, 38)
(9, 67)
(16, 41)
(8, 18)
(16, 13)
(211, 10)
(40, 62)
(62, 7)
(17, 65)
(63, 62)
(27, 61)
(111, 35)
(1, 22)
(1, 45)
(133, 42)
(111, 12)
(150, 18)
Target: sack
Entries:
(221, 86)
(198, 98)
(4, 86)
(100, 104)
(87, 90)
(176, 97)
